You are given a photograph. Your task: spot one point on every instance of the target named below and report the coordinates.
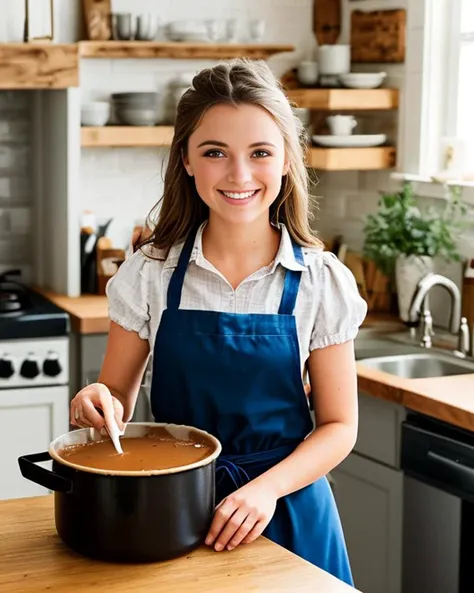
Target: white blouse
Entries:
(328, 311)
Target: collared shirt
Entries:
(328, 308)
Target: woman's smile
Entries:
(239, 198)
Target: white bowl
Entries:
(362, 80)
(95, 114)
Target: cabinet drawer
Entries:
(379, 430)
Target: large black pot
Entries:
(128, 516)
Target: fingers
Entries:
(77, 417)
(222, 514)
(106, 405)
(232, 526)
(86, 407)
(255, 532)
(243, 532)
(307, 389)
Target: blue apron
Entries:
(238, 377)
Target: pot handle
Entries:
(42, 476)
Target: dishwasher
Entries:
(438, 507)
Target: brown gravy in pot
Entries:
(155, 451)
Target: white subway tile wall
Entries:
(15, 180)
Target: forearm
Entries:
(315, 457)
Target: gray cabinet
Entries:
(87, 354)
(369, 497)
(368, 487)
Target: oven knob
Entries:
(51, 366)
(6, 367)
(29, 367)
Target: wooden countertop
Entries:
(34, 559)
(88, 313)
(447, 398)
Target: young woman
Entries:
(235, 298)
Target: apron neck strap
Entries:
(177, 279)
(290, 289)
(292, 284)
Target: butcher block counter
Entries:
(34, 559)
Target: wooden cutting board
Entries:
(327, 21)
(97, 17)
(378, 36)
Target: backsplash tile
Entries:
(16, 200)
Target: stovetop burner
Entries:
(24, 313)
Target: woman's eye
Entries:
(261, 154)
(214, 153)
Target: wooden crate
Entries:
(378, 36)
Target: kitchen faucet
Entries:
(419, 312)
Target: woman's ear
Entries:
(286, 167)
(186, 164)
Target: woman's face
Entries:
(237, 157)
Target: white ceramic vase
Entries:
(409, 270)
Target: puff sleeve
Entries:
(127, 296)
(341, 310)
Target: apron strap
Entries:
(173, 298)
(290, 289)
(292, 284)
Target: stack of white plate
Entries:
(351, 141)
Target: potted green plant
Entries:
(402, 239)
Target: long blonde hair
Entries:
(233, 82)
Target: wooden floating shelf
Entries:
(179, 50)
(352, 159)
(345, 99)
(38, 65)
(328, 159)
(123, 136)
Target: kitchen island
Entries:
(34, 559)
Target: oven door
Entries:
(30, 418)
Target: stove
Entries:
(34, 379)
(24, 313)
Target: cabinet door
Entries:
(29, 420)
(370, 501)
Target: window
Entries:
(460, 120)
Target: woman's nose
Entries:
(239, 172)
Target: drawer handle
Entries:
(465, 469)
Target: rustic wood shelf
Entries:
(181, 50)
(126, 136)
(352, 159)
(345, 99)
(329, 159)
(38, 65)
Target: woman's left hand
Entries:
(242, 516)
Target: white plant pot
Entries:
(409, 270)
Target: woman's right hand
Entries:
(85, 404)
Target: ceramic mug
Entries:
(334, 59)
(341, 125)
(308, 72)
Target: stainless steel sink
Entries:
(419, 365)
